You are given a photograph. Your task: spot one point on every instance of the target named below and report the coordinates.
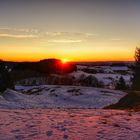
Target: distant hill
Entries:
(46, 66)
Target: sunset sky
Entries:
(78, 30)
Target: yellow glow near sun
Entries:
(64, 60)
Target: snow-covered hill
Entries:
(108, 75)
(54, 96)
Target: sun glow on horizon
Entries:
(103, 31)
(64, 60)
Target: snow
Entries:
(54, 96)
(104, 77)
(78, 73)
(123, 68)
(38, 122)
(71, 124)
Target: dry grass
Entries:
(130, 102)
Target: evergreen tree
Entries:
(5, 78)
(136, 78)
(121, 85)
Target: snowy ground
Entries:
(109, 76)
(71, 124)
(62, 122)
(51, 96)
(104, 77)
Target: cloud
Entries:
(69, 34)
(65, 41)
(20, 36)
(4, 28)
(21, 33)
(116, 39)
(20, 29)
(90, 35)
(54, 33)
(56, 37)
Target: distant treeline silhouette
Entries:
(9, 71)
(47, 66)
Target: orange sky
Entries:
(103, 31)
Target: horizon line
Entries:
(91, 61)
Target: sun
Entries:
(64, 60)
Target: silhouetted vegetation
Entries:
(130, 101)
(121, 85)
(47, 66)
(136, 79)
(11, 72)
(5, 77)
(51, 79)
(118, 64)
(91, 81)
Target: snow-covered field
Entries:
(53, 112)
(104, 77)
(110, 74)
(51, 96)
(70, 124)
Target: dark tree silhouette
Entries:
(5, 78)
(121, 85)
(47, 66)
(136, 78)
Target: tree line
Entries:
(55, 66)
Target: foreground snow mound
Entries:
(51, 96)
(11, 95)
(71, 124)
(13, 99)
